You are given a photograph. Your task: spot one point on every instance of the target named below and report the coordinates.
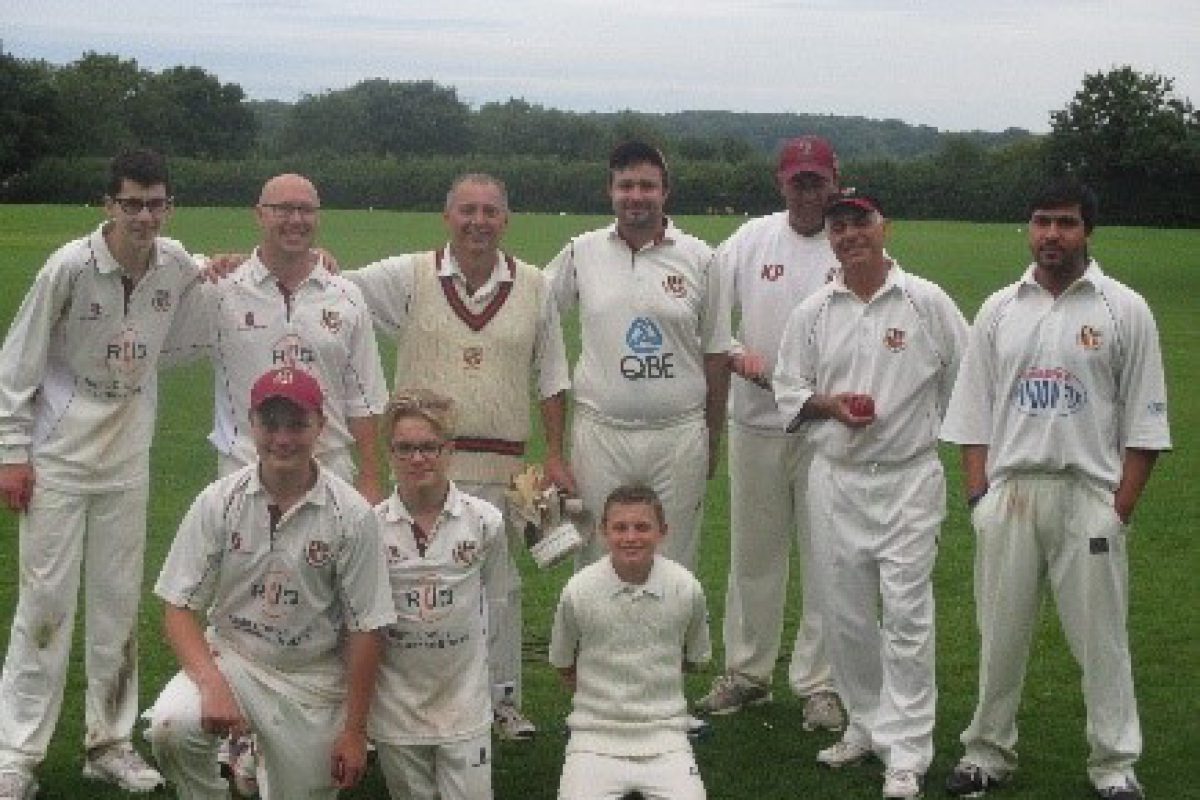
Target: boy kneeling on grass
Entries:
(624, 627)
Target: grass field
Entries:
(760, 753)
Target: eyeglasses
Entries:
(134, 205)
(413, 449)
(285, 210)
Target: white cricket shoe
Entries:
(120, 764)
(17, 784)
(731, 693)
(843, 754)
(901, 784)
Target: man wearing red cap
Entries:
(285, 560)
(866, 366)
(770, 264)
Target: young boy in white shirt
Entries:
(624, 627)
(432, 716)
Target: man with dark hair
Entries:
(1061, 411)
(652, 379)
(77, 402)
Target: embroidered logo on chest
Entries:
(161, 301)
(895, 340)
(331, 320)
(318, 553)
(472, 357)
(675, 286)
(1089, 338)
(771, 272)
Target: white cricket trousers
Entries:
(594, 776)
(768, 484)
(505, 619)
(1059, 529)
(875, 529)
(294, 739)
(459, 770)
(60, 533)
(672, 460)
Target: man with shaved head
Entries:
(282, 308)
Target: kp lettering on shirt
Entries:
(647, 360)
(1053, 391)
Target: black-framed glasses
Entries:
(413, 449)
(135, 205)
(285, 210)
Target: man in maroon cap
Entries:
(284, 559)
(772, 263)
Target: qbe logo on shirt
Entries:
(1049, 391)
(645, 339)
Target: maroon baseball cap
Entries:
(807, 154)
(289, 383)
(850, 198)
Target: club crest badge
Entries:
(161, 301)
(894, 340)
(317, 554)
(332, 320)
(236, 544)
(472, 357)
(1089, 338)
(465, 553)
(675, 286)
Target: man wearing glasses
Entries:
(282, 308)
(77, 401)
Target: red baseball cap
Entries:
(291, 384)
(807, 154)
(849, 198)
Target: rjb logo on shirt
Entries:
(428, 601)
(1049, 391)
(291, 351)
(126, 353)
(645, 339)
(276, 594)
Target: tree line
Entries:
(396, 144)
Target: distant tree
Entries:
(97, 94)
(380, 117)
(30, 117)
(185, 111)
(518, 127)
(1129, 135)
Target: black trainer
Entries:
(970, 780)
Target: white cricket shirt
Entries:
(647, 319)
(78, 387)
(1066, 383)
(325, 330)
(433, 684)
(283, 597)
(769, 269)
(902, 347)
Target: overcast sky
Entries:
(952, 64)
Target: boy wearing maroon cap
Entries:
(285, 559)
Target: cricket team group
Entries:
(316, 613)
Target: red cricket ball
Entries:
(862, 405)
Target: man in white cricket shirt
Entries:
(284, 562)
(77, 400)
(1061, 411)
(475, 323)
(769, 265)
(652, 380)
(867, 364)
